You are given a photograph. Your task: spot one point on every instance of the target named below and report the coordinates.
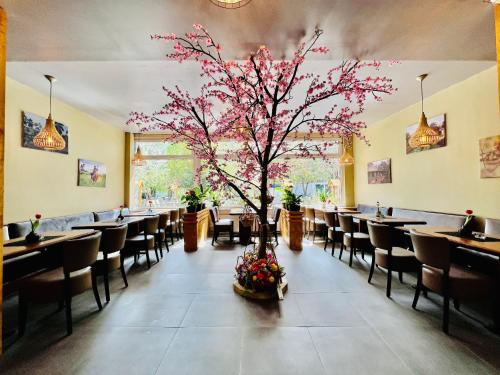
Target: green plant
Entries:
(215, 199)
(35, 224)
(323, 196)
(191, 198)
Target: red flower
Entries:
(38, 216)
(260, 276)
(469, 212)
(122, 206)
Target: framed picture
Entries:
(489, 155)
(438, 123)
(31, 126)
(91, 173)
(379, 172)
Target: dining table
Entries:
(18, 246)
(109, 224)
(244, 231)
(388, 220)
(150, 212)
(489, 245)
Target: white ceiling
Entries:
(97, 30)
(106, 64)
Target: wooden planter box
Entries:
(195, 229)
(292, 228)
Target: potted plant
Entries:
(323, 197)
(33, 236)
(215, 199)
(192, 200)
(294, 202)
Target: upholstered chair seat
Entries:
(464, 284)
(402, 259)
(221, 225)
(49, 286)
(145, 241)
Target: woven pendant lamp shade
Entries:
(49, 138)
(424, 135)
(138, 159)
(346, 158)
(230, 4)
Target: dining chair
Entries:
(388, 256)
(173, 228)
(315, 223)
(334, 232)
(110, 256)
(163, 225)
(352, 239)
(63, 283)
(438, 274)
(221, 225)
(145, 241)
(182, 211)
(273, 222)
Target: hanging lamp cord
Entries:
(422, 93)
(50, 99)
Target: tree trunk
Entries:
(263, 216)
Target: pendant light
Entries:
(346, 158)
(424, 136)
(49, 138)
(230, 4)
(138, 160)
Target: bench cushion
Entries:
(431, 218)
(109, 214)
(60, 223)
(368, 209)
(492, 226)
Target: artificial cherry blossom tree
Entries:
(255, 103)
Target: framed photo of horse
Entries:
(91, 173)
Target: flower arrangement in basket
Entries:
(258, 274)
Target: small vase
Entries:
(33, 237)
(466, 229)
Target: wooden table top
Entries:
(154, 212)
(101, 225)
(389, 220)
(238, 211)
(14, 251)
(482, 246)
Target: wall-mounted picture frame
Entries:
(91, 173)
(489, 156)
(379, 172)
(438, 123)
(31, 126)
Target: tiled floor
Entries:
(182, 317)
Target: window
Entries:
(170, 171)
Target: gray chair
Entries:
(389, 257)
(63, 283)
(352, 239)
(450, 280)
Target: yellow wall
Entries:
(46, 182)
(445, 179)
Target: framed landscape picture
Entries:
(31, 126)
(91, 173)
(489, 155)
(379, 172)
(438, 123)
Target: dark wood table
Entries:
(388, 220)
(154, 212)
(101, 225)
(244, 232)
(486, 247)
(54, 238)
